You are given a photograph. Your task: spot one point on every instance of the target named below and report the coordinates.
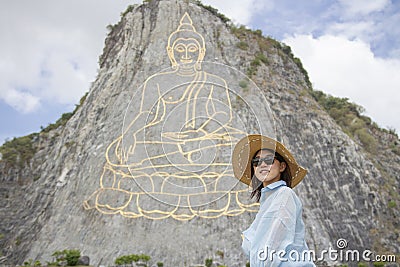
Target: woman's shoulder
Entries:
(284, 201)
(286, 190)
(288, 194)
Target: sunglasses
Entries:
(269, 160)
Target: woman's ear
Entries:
(282, 166)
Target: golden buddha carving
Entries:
(173, 156)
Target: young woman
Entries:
(276, 236)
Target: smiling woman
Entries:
(278, 226)
(268, 167)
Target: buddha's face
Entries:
(186, 51)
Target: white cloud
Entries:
(50, 53)
(348, 68)
(362, 7)
(54, 68)
(352, 30)
(239, 11)
(24, 102)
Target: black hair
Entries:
(285, 175)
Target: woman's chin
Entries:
(262, 179)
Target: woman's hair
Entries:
(285, 175)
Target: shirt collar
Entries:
(267, 190)
(273, 185)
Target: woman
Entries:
(276, 236)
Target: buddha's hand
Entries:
(189, 135)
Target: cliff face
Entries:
(63, 198)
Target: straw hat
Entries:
(247, 147)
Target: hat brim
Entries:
(245, 150)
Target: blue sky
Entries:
(49, 51)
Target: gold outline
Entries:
(154, 109)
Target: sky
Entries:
(49, 52)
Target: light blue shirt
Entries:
(276, 236)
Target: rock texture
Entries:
(42, 210)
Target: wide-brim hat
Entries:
(246, 149)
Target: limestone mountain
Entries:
(143, 164)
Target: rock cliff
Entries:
(46, 204)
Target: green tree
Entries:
(32, 263)
(69, 257)
(72, 257)
(128, 259)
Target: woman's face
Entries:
(269, 172)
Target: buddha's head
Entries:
(186, 47)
